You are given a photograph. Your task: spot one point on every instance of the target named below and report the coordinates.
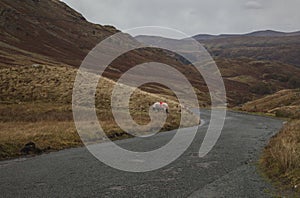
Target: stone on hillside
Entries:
(30, 148)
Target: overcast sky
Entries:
(194, 16)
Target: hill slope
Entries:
(246, 78)
(36, 106)
(262, 45)
(46, 31)
(285, 103)
(50, 33)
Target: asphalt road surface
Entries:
(229, 170)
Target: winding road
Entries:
(229, 170)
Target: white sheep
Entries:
(160, 106)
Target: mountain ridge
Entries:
(260, 33)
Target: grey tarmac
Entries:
(229, 170)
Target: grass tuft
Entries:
(281, 158)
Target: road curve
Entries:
(229, 170)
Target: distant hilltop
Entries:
(262, 33)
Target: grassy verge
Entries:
(35, 106)
(281, 158)
(51, 127)
(47, 135)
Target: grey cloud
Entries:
(253, 5)
(194, 16)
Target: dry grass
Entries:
(285, 103)
(35, 105)
(47, 135)
(281, 158)
(244, 79)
